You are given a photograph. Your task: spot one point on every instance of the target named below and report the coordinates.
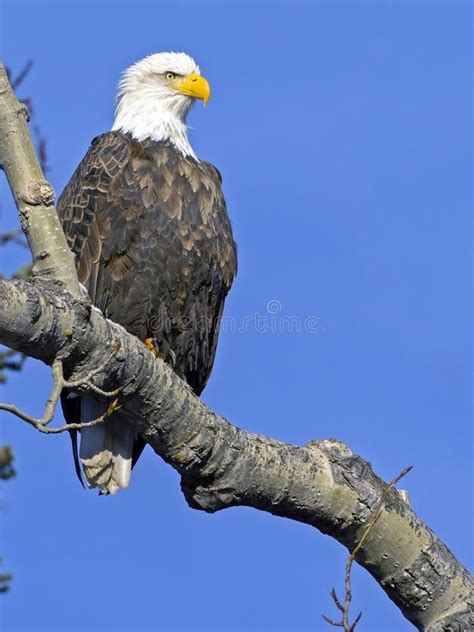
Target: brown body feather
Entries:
(154, 246)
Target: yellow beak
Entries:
(195, 86)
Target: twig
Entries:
(59, 383)
(85, 379)
(22, 75)
(78, 426)
(14, 235)
(344, 608)
(40, 139)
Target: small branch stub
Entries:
(40, 193)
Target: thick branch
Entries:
(322, 484)
(33, 195)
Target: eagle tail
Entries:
(106, 450)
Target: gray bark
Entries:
(34, 196)
(322, 484)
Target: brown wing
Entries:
(154, 245)
(88, 202)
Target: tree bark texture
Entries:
(34, 196)
(322, 484)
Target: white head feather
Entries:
(149, 107)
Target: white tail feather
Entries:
(106, 449)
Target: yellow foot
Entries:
(151, 345)
(113, 406)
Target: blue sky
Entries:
(343, 132)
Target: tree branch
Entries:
(322, 484)
(33, 195)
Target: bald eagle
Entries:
(148, 224)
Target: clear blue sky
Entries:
(343, 132)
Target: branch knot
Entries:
(40, 193)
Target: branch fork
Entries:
(83, 383)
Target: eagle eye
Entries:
(170, 75)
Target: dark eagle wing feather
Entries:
(86, 204)
(154, 245)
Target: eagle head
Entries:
(155, 96)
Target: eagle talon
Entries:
(152, 345)
(113, 406)
(172, 355)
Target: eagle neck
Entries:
(148, 120)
